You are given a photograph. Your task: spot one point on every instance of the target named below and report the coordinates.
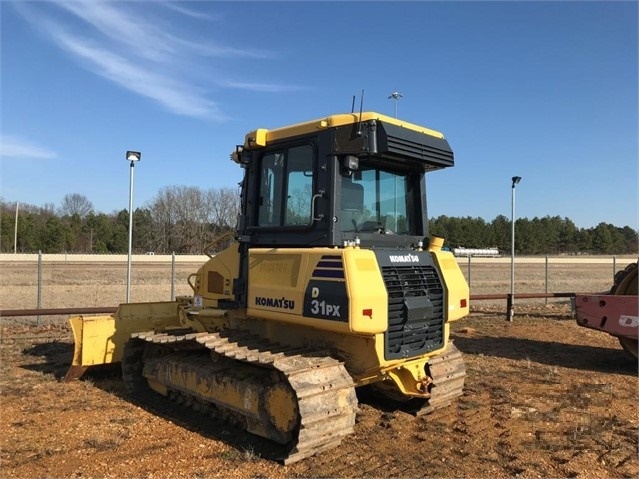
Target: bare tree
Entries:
(180, 215)
(75, 204)
(224, 206)
(299, 206)
(191, 216)
(186, 218)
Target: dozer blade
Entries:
(100, 339)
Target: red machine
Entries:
(616, 313)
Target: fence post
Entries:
(614, 268)
(509, 307)
(469, 272)
(546, 279)
(39, 293)
(173, 276)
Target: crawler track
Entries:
(324, 392)
(448, 372)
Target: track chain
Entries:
(327, 412)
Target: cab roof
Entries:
(262, 136)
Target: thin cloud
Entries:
(174, 95)
(139, 51)
(14, 147)
(262, 87)
(186, 11)
(147, 39)
(120, 28)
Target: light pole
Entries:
(131, 156)
(15, 232)
(395, 96)
(511, 311)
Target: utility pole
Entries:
(15, 232)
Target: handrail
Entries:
(217, 240)
(53, 312)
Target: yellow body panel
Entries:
(455, 284)
(280, 280)
(214, 280)
(368, 310)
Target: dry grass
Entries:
(72, 285)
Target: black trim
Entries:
(433, 152)
(327, 273)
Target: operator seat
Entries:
(352, 204)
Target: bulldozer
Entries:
(332, 282)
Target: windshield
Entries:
(377, 201)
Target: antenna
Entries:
(359, 122)
(353, 105)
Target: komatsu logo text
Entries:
(281, 303)
(403, 258)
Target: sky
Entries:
(544, 90)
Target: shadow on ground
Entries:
(582, 357)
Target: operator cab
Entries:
(338, 180)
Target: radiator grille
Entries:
(415, 311)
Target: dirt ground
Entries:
(543, 398)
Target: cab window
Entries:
(375, 200)
(286, 187)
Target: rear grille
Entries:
(436, 156)
(415, 311)
(434, 152)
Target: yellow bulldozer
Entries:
(332, 283)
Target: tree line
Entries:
(179, 219)
(539, 236)
(185, 219)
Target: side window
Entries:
(286, 187)
(299, 185)
(271, 179)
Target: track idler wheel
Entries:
(280, 405)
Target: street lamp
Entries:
(511, 312)
(395, 96)
(132, 157)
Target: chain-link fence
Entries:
(73, 281)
